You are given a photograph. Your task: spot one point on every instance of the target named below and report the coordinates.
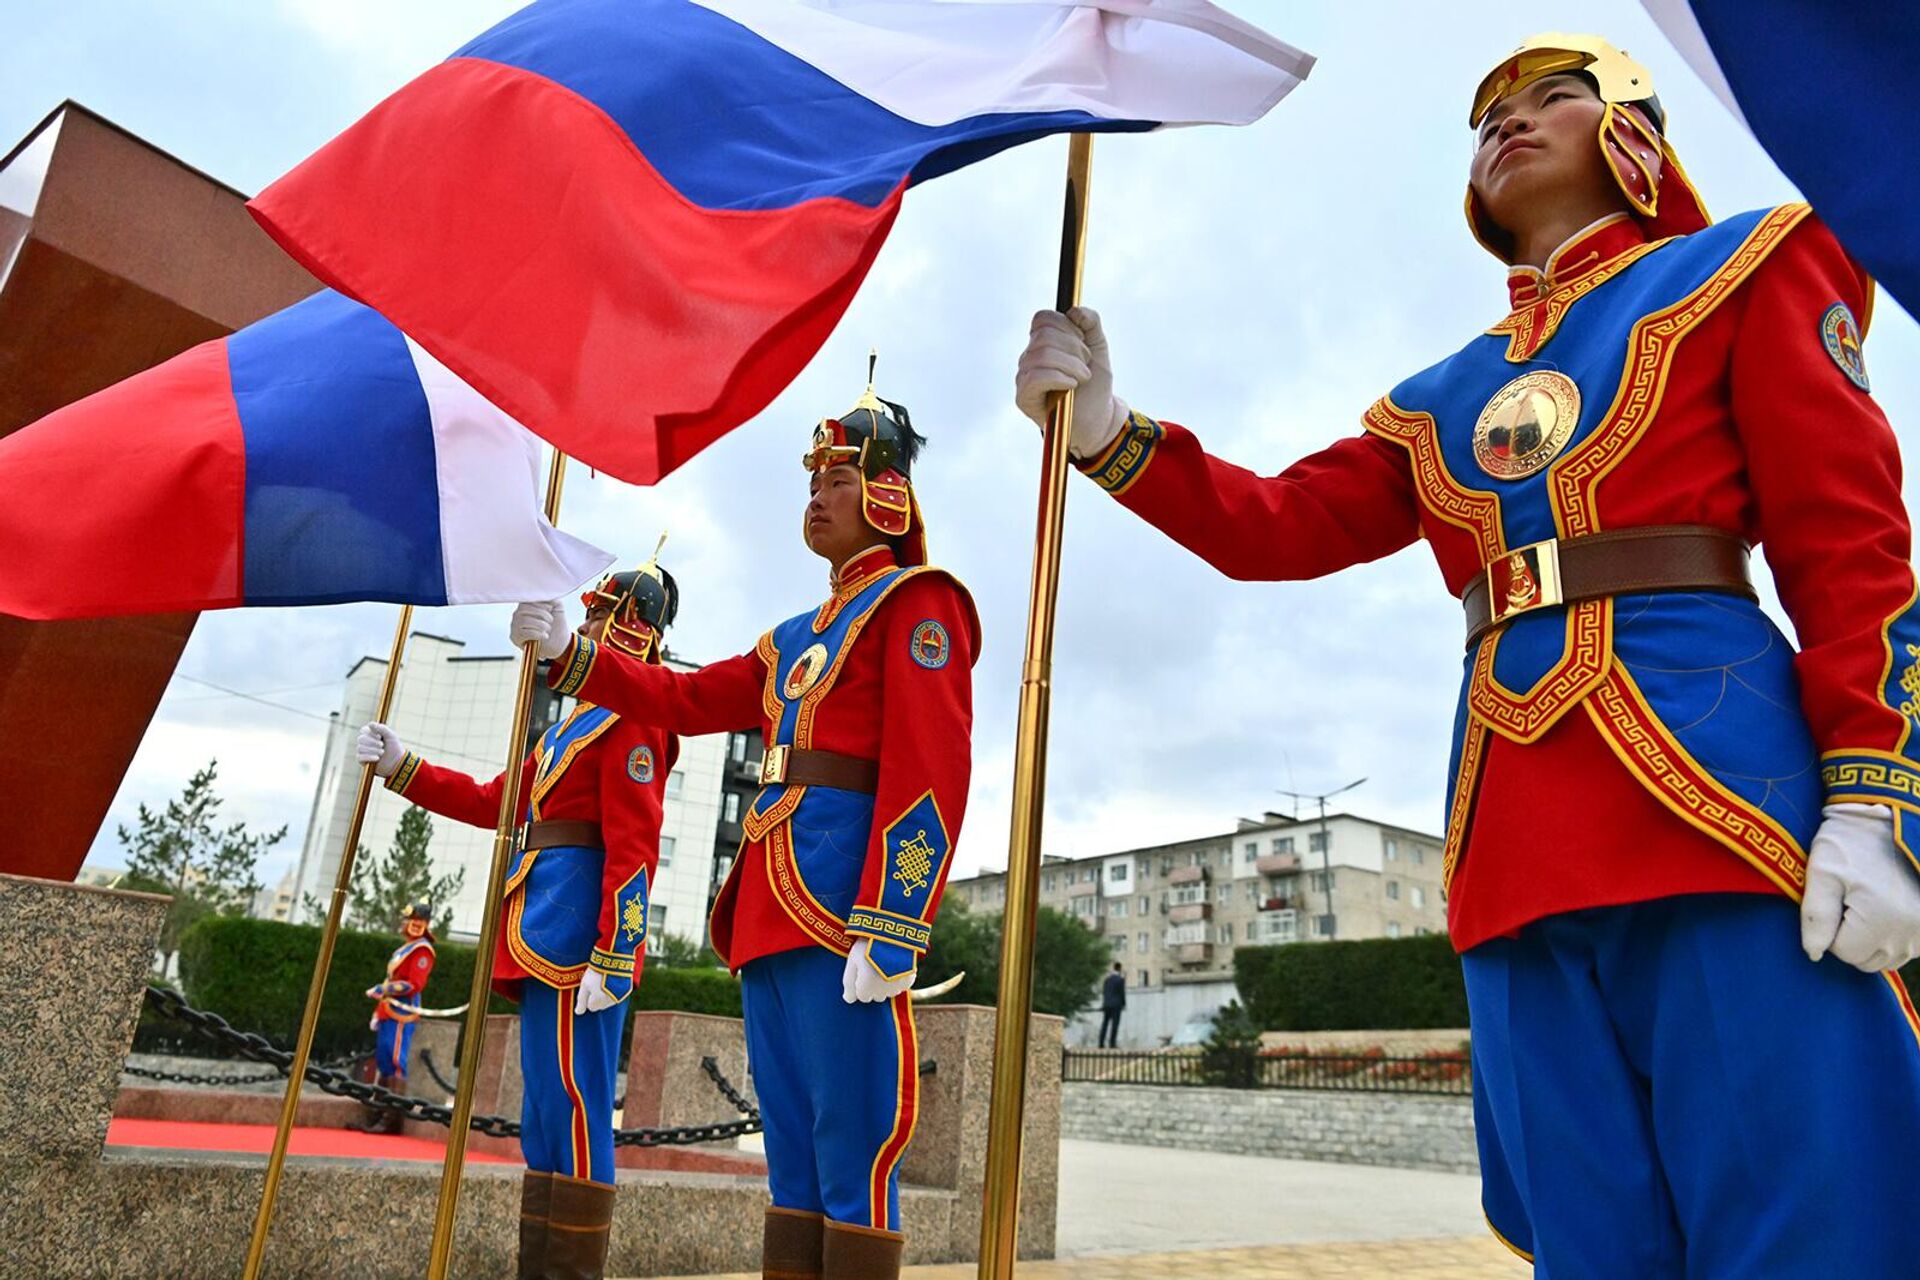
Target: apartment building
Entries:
(1174, 913)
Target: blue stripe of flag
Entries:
(342, 495)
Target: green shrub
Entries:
(1379, 984)
(254, 973)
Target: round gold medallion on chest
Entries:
(806, 669)
(1526, 424)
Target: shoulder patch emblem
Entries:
(640, 765)
(931, 646)
(1841, 333)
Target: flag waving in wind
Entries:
(630, 223)
(313, 457)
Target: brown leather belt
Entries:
(818, 769)
(558, 831)
(1674, 557)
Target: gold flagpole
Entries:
(1000, 1219)
(317, 986)
(476, 1026)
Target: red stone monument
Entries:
(114, 256)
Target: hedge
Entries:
(254, 973)
(1376, 985)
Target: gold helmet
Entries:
(877, 437)
(1632, 133)
(642, 603)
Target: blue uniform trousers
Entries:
(391, 1041)
(838, 1084)
(568, 1066)
(1671, 1090)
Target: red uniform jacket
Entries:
(888, 701)
(408, 969)
(1756, 427)
(594, 784)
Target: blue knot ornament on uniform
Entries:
(1841, 334)
(640, 765)
(931, 645)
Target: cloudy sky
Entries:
(1261, 285)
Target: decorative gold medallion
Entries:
(1526, 424)
(805, 671)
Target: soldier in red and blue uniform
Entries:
(1677, 1071)
(397, 1008)
(866, 707)
(574, 922)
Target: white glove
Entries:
(1070, 351)
(380, 747)
(593, 995)
(542, 623)
(861, 983)
(1863, 898)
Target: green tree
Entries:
(1068, 959)
(383, 890)
(183, 851)
(1232, 1049)
(677, 952)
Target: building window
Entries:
(1120, 942)
(1143, 943)
(1118, 908)
(666, 851)
(1322, 881)
(1317, 842)
(1145, 979)
(1319, 926)
(1393, 928)
(1048, 882)
(1146, 903)
(1118, 871)
(1419, 896)
(1419, 855)
(1224, 894)
(1166, 865)
(1252, 850)
(1226, 934)
(1393, 850)
(675, 782)
(1253, 891)
(730, 807)
(656, 926)
(1393, 890)
(737, 747)
(1283, 844)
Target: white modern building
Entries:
(454, 710)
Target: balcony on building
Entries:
(1194, 953)
(1277, 864)
(1188, 912)
(1187, 875)
(1280, 903)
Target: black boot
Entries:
(790, 1247)
(536, 1205)
(580, 1218)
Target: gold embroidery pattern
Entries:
(1664, 768)
(1577, 475)
(875, 922)
(633, 919)
(913, 863)
(1881, 778)
(1475, 510)
(1464, 787)
(1583, 664)
(810, 702)
(792, 893)
(1910, 685)
(1530, 328)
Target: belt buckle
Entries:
(1526, 579)
(773, 766)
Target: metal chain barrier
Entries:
(227, 1081)
(256, 1048)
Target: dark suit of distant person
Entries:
(1113, 998)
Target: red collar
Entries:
(862, 569)
(1587, 250)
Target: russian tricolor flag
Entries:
(630, 223)
(314, 457)
(1832, 91)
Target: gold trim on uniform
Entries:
(579, 665)
(878, 922)
(402, 777)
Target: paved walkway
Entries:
(1141, 1213)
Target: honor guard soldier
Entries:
(574, 925)
(396, 1008)
(866, 707)
(1676, 1072)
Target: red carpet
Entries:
(185, 1135)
